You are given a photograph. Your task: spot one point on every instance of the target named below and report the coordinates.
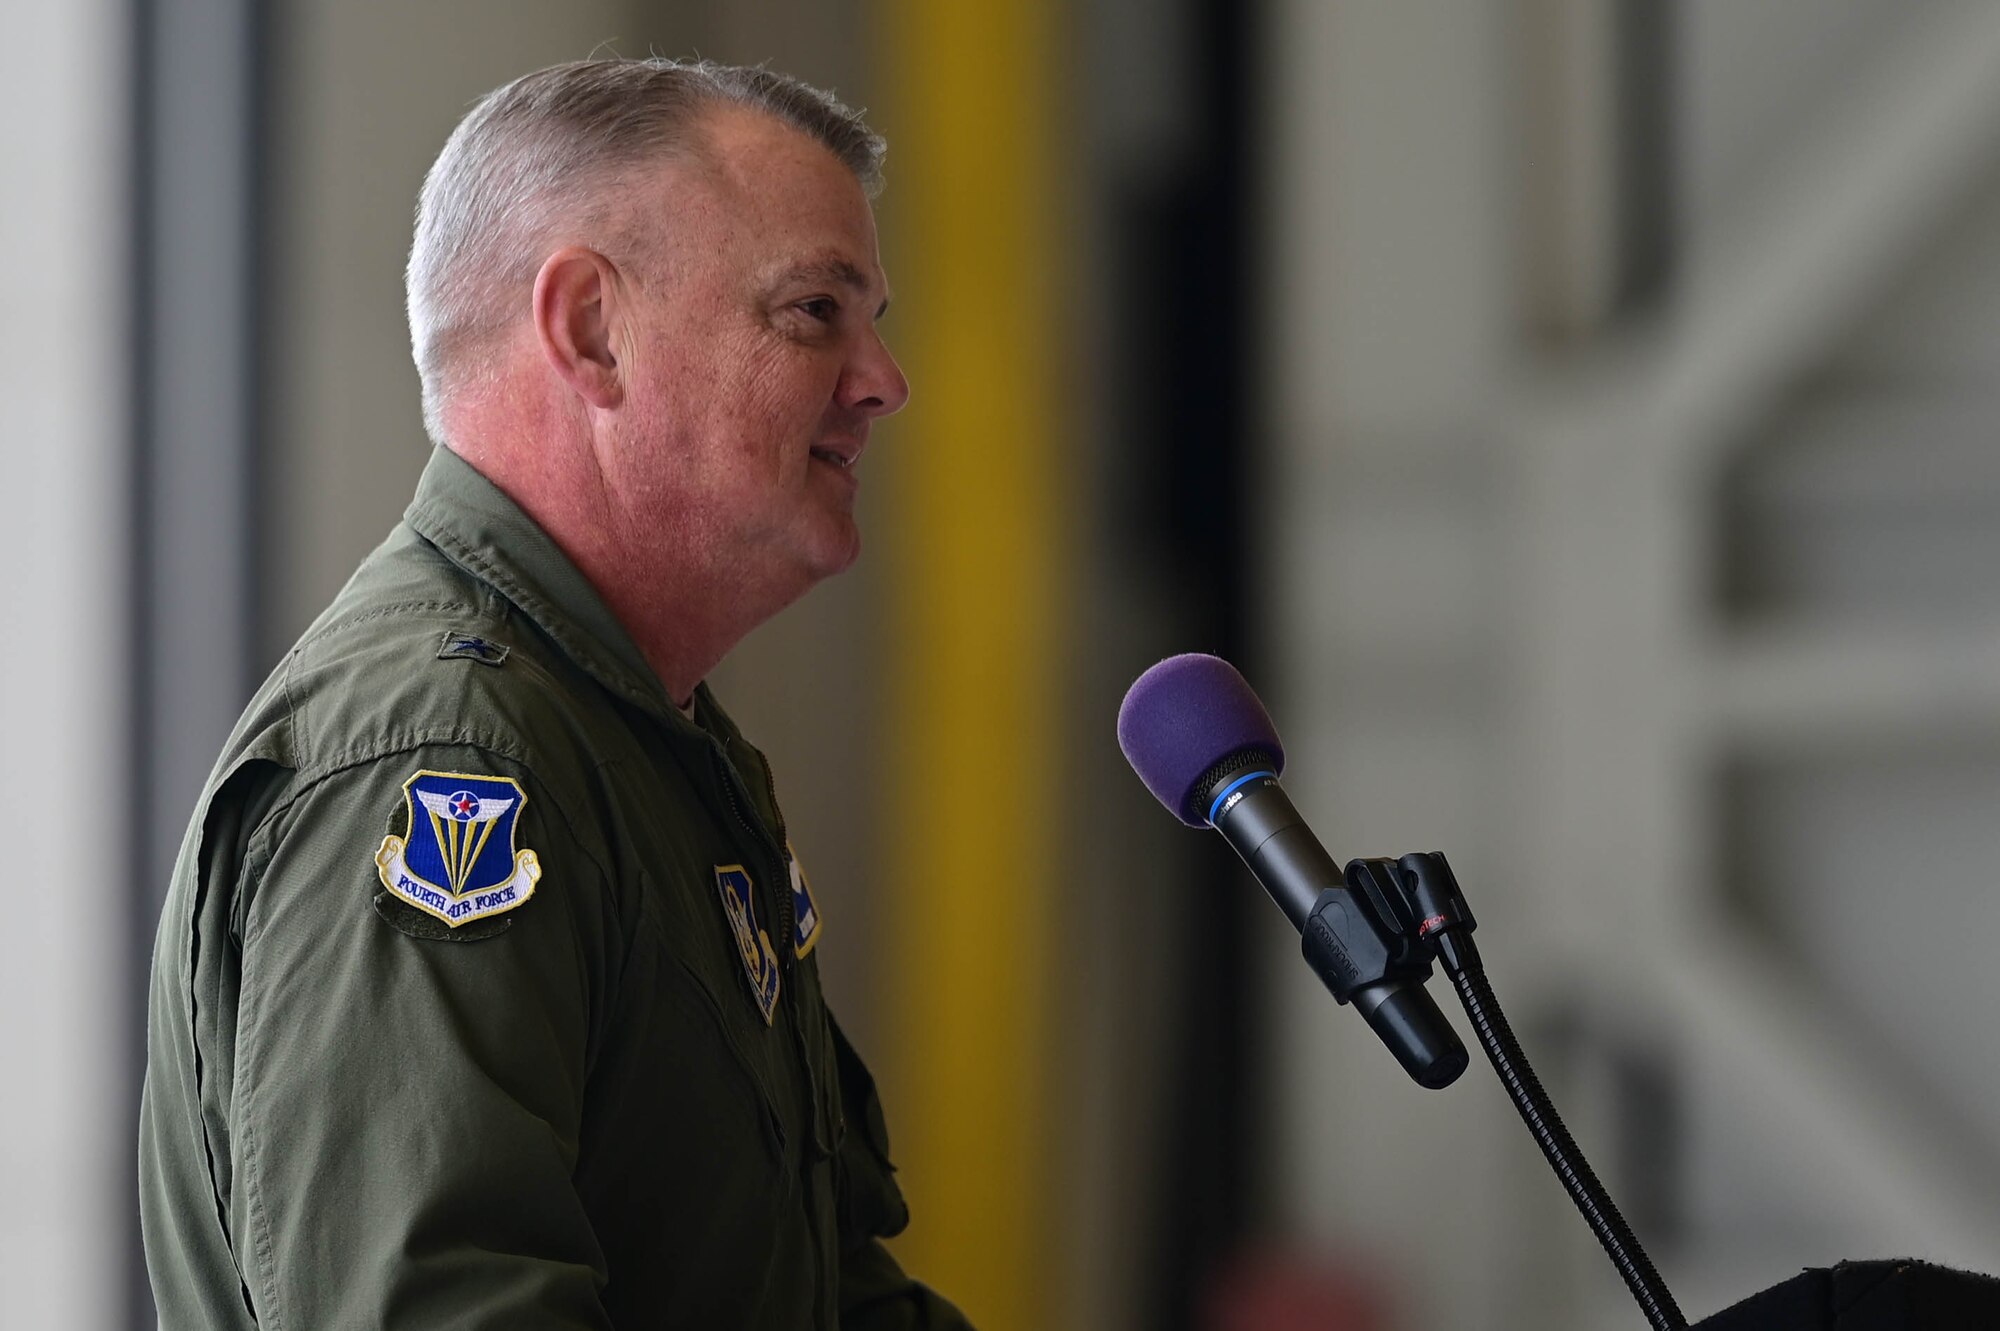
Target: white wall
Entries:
(66, 1111)
(1389, 288)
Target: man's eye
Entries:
(822, 308)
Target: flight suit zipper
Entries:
(779, 908)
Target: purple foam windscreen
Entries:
(1184, 716)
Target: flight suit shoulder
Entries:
(448, 839)
(441, 673)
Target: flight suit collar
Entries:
(486, 533)
(747, 758)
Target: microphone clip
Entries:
(1367, 943)
(1364, 935)
(1444, 920)
(1388, 924)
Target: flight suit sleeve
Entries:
(409, 1096)
(875, 1293)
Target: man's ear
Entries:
(575, 298)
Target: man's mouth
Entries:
(835, 457)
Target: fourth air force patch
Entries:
(459, 862)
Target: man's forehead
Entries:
(758, 153)
(774, 196)
(740, 157)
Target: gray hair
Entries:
(540, 154)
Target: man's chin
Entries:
(844, 558)
(833, 549)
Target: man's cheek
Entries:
(782, 403)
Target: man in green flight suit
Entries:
(485, 994)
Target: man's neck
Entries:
(682, 611)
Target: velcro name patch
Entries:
(805, 910)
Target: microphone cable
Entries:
(1524, 1088)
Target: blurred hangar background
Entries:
(1574, 415)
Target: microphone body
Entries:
(1199, 738)
(1354, 929)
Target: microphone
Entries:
(1201, 741)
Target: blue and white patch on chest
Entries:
(805, 910)
(458, 862)
(753, 945)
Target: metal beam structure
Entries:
(1499, 636)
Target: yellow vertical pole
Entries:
(975, 557)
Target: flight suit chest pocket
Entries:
(770, 1012)
(712, 1007)
(743, 1063)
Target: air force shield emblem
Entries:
(753, 945)
(459, 861)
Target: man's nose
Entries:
(874, 383)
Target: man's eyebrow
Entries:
(836, 271)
